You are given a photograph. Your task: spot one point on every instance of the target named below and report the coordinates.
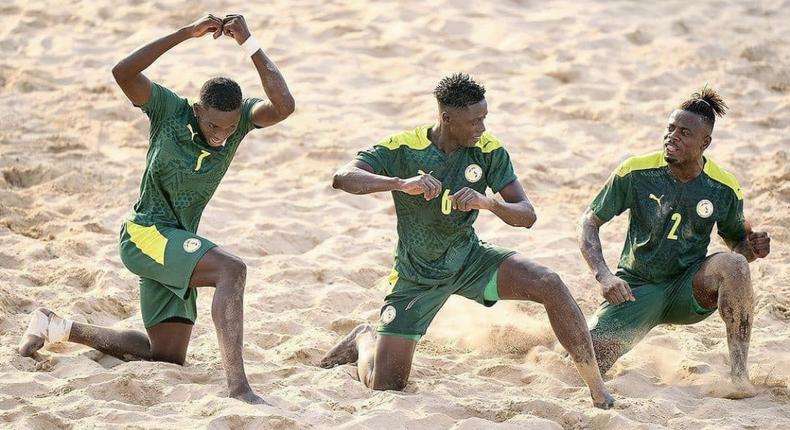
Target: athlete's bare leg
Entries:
(227, 274)
(383, 362)
(724, 280)
(522, 279)
(168, 341)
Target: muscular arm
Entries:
(357, 177)
(590, 244)
(516, 210)
(281, 102)
(613, 289)
(128, 73)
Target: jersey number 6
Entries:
(447, 204)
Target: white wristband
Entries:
(251, 46)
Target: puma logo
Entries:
(657, 199)
(189, 126)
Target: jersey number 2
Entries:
(672, 231)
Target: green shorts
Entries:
(410, 307)
(164, 259)
(672, 302)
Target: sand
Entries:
(573, 89)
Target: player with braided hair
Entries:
(664, 276)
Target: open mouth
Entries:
(671, 148)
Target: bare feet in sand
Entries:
(602, 400)
(30, 343)
(249, 396)
(741, 388)
(346, 350)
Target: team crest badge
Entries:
(704, 208)
(191, 245)
(388, 315)
(473, 173)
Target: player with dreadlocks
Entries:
(438, 175)
(675, 197)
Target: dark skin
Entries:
(226, 273)
(458, 128)
(723, 281)
(215, 125)
(384, 362)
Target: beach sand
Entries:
(572, 89)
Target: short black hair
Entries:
(706, 103)
(458, 90)
(221, 93)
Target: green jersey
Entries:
(182, 171)
(434, 239)
(670, 222)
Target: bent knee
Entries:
(234, 267)
(732, 266)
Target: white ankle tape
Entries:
(59, 329)
(38, 325)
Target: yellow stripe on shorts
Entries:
(148, 240)
(392, 278)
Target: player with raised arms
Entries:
(191, 148)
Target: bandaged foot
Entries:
(44, 327)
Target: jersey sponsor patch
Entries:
(473, 173)
(704, 208)
(191, 245)
(388, 315)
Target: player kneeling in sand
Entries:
(664, 277)
(191, 147)
(438, 175)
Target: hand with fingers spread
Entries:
(467, 199)
(206, 24)
(235, 26)
(424, 184)
(616, 290)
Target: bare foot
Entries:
(742, 388)
(30, 343)
(249, 396)
(603, 400)
(345, 351)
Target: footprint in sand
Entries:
(252, 422)
(639, 37)
(17, 177)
